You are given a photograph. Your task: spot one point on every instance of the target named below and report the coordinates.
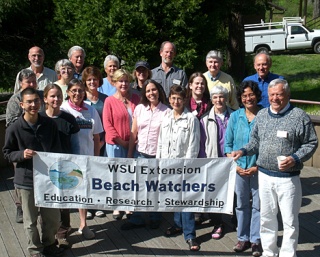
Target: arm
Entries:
(194, 138)
(108, 114)
(13, 110)
(133, 138)
(159, 146)
(229, 136)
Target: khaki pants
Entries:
(50, 222)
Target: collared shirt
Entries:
(47, 76)
(179, 138)
(282, 111)
(77, 75)
(225, 80)
(148, 123)
(173, 76)
(263, 86)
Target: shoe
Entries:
(130, 225)
(117, 215)
(100, 214)
(89, 215)
(128, 214)
(154, 224)
(173, 231)
(241, 246)
(87, 233)
(217, 232)
(193, 245)
(37, 255)
(63, 243)
(256, 250)
(199, 218)
(52, 250)
(19, 216)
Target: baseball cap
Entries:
(142, 64)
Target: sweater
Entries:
(300, 143)
(20, 136)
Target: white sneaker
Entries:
(89, 215)
(86, 232)
(100, 214)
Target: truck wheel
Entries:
(262, 49)
(316, 47)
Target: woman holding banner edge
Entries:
(248, 203)
(179, 138)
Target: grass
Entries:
(301, 70)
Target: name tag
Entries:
(282, 134)
(176, 81)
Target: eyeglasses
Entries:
(79, 91)
(176, 99)
(34, 101)
(244, 97)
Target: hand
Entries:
(287, 163)
(236, 154)
(241, 171)
(252, 170)
(28, 153)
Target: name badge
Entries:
(282, 134)
(176, 81)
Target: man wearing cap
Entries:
(76, 55)
(262, 64)
(140, 74)
(167, 74)
(215, 77)
(44, 75)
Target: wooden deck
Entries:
(111, 241)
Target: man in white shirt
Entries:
(44, 75)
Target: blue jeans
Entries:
(138, 218)
(248, 214)
(115, 151)
(185, 220)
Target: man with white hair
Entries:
(44, 75)
(215, 76)
(76, 55)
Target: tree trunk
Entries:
(316, 8)
(236, 46)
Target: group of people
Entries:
(159, 113)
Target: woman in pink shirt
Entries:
(117, 119)
(147, 119)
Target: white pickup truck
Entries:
(278, 36)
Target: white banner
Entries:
(166, 185)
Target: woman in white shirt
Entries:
(179, 138)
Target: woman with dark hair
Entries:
(147, 118)
(179, 138)
(140, 74)
(90, 128)
(68, 129)
(198, 96)
(238, 134)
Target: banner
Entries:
(166, 185)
